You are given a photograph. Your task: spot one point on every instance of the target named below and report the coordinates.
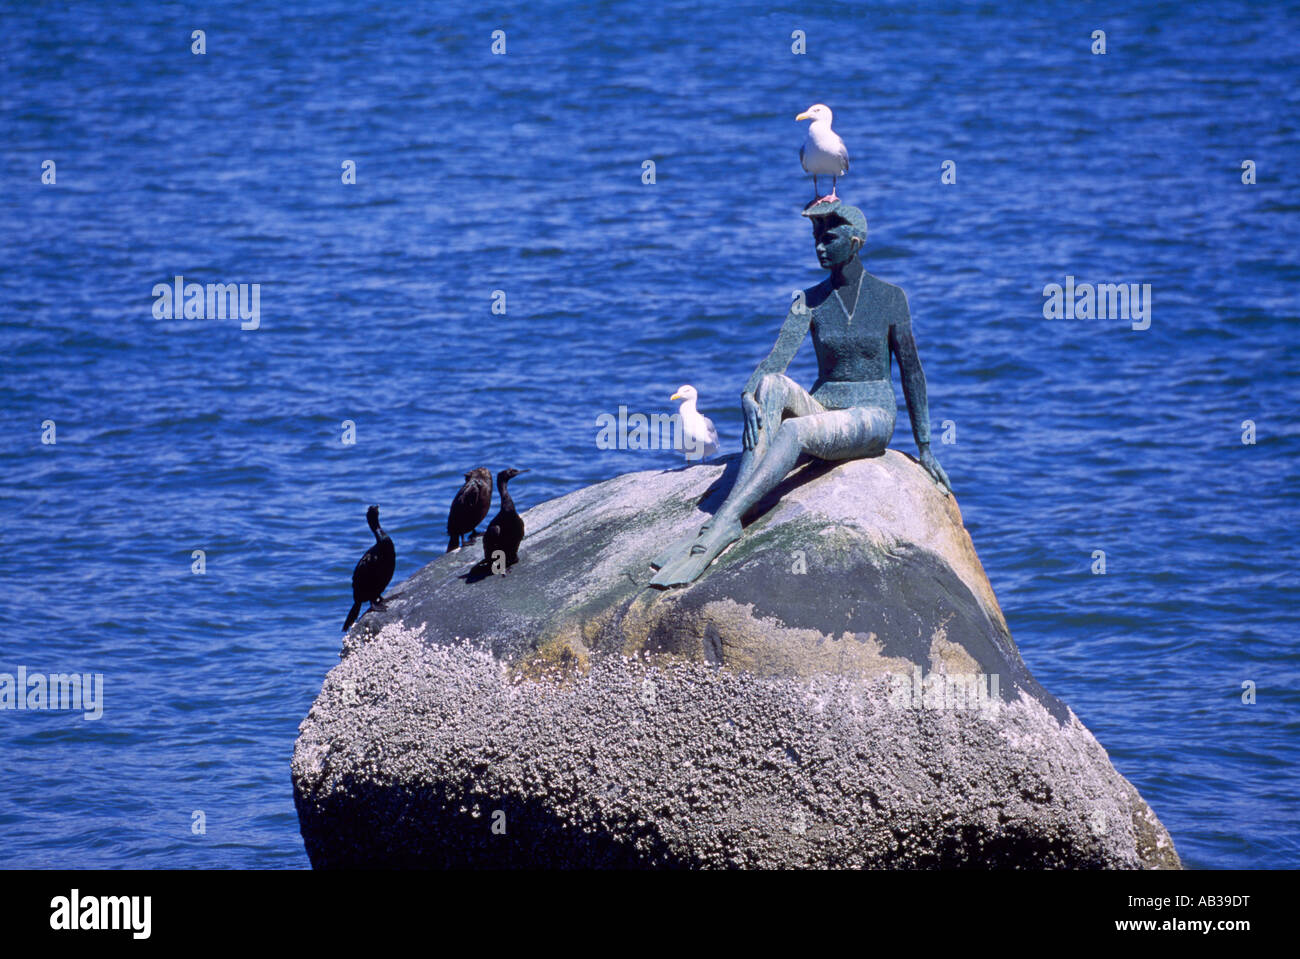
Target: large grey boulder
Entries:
(839, 689)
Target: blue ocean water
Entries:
(522, 173)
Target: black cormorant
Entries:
(374, 571)
(506, 531)
(469, 507)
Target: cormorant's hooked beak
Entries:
(803, 116)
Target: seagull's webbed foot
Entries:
(708, 546)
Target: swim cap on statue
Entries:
(840, 213)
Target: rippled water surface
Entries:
(523, 173)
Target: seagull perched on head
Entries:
(698, 432)
(823, 153)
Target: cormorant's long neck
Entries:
(378, 530)
(507, 504)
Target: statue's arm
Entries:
(902, 344)
(788, 341)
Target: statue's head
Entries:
(839, 230)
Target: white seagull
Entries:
(700, 437)
(823, 153)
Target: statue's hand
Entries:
(934, 469)
(749, 407)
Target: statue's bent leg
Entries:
(832, 435)
(777, 395)
(851, 434)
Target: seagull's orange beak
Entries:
(803, 116)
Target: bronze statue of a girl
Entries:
(857, 321)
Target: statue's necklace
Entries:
(847, 312)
